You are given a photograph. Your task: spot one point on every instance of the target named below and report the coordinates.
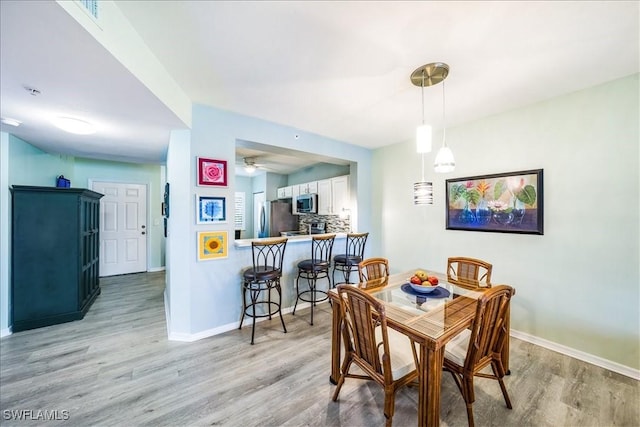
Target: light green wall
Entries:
(32, 166)
(23, 164)
(88, 170)
(28, 165)
(578, 284)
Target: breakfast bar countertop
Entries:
(292, 239)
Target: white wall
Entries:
(578, 284)
(205, 297)
(179, 243)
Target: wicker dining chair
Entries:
(386, 356)
(373, 272)
(470, 273)
(481, 345)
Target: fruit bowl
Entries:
(423, 289)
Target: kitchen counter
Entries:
(292, 239)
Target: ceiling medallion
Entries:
(434, 73)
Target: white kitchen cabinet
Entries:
(340, 194)
(324, 197)
(309, 187)
(333, 195)
(284, 192)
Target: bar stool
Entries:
(313, 269)
(353, 255)
(263, 276)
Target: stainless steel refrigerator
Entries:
(276, 216)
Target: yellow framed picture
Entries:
(212, 245)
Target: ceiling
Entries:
(339, 69)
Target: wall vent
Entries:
(91, 6)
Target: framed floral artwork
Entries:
(212, 245)
(507, 202)
(212, 172)
(210, 209)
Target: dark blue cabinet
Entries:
(55, 255)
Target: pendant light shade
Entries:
(444, 160)
(423, 193)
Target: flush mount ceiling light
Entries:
(10, 121)
(72, 125)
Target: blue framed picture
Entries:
(509, 202)
(210, 209)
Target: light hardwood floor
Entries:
(117, 368)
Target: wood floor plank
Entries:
(116, 367)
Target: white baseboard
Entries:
(5, 332)
(225, 328)
(562, 349)
(577, 354)
(154, 269)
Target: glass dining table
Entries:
(428, 319)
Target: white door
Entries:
(123, 229)
(258, 204)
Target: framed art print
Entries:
(212, 172)
(210, 209)
(505, 202)
(212, 245)
(165, 204)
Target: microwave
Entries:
(307, 203)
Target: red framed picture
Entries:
(212, 172)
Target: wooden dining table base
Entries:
(429, 331)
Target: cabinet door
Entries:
(312, 187)
(280, 193)
(288, 191)
(295, 192)
(324, 197)
(339, 194)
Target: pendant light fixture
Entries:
(423, 190)
(427, 75)
(423, 132)
(444, 159)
